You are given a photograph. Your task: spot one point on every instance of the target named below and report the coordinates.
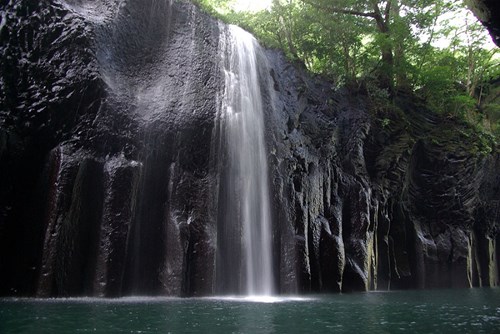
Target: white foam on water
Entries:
(262, 299)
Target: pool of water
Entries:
(435, 311)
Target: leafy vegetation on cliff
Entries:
(434, 49)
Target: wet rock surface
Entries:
(108, 165)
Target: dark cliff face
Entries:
(378, 200)
(110, 195)
(488, 12)
(108, 168)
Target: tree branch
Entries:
(382, 26)
(376, 9)
(351, 12)
(339, 10)
(387, 11)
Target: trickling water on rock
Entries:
(245, 220)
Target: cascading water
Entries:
(244, 239)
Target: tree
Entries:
(393, 23)
(393, 41)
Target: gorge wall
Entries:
(109, 165)
(488, 12)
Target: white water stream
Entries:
(243, 116)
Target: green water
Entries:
(439, 311)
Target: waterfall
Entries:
(245, 231)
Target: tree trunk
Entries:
(386, 71)
(399, 54)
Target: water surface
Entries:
(439, 311)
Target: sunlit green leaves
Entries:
(433, 48)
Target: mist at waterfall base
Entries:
(439, 311)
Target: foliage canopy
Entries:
(398, 44)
